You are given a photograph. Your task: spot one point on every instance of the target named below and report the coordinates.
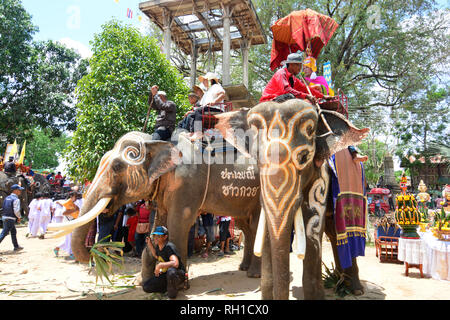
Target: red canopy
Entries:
(380, 191)
(293, 32)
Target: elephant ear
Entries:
(344, 135)
(230, 123)
(163, 157)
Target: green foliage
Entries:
(423, 130)
(113, 97)
(104, 255)
(44, 149)
(333, 279)
(37, 79)
(376, 151)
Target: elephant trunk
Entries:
(91, 208)
(281, 201)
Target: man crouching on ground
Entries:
(169, 270)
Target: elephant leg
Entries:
(312, 264)
(355, 283)
(266, 270)
(147, 268)
(179, 226)
(352, 282)
(250, 262)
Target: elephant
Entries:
(6, 181)
(140, 168)
(40, 185)
(291, 145)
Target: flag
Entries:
(327, 72)
(129, 13)
(22, 153)
(13, 151)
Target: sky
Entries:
(75, 22)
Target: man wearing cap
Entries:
(167, 113)
(188, 119)
(11, 212)
(169, 270)
(10, 166)
(284, 85)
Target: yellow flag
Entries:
(22, 153)
(13, 149)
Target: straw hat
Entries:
(196, 87)
(209, 76)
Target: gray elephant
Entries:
(6, 181)
(139, 168)
(291, 146)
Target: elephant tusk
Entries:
(300, 237)
(260, 234)
(91, 215)
(59, 234)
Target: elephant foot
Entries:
(354, 285)
(254, 273)
(244, 266)
(138, 280)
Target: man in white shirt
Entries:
(11, 212)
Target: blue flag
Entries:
(327, 72)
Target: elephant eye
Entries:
(117, 166)
(303, 157)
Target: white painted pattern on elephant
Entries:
(317, 198)
(129, 154)
(286, 181)
(278, 214)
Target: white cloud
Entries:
(83, 50)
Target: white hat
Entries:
(209, 76)
(162, 93)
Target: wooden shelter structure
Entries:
(201, 26)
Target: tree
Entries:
(425, 126)
(37, 79)
(113, 97)
(44, 150)
(376, 150)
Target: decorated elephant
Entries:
(39, 185)
(6, 182)
(182, 185)
(291, 146)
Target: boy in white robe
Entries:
(58, 210)
(34, 216)
(45, 216)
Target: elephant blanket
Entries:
(349, 206)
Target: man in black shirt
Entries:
(10, 167)
(169, 270)
(167, 113)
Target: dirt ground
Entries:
(35, 273)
